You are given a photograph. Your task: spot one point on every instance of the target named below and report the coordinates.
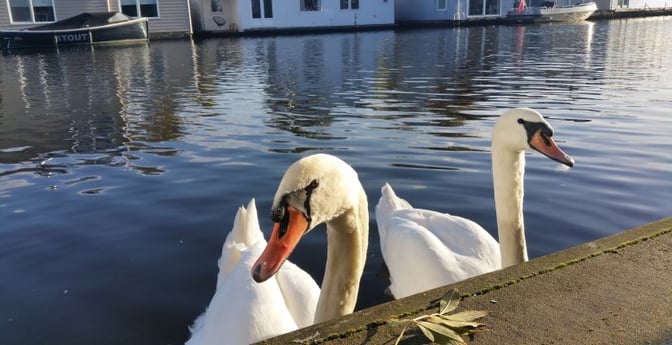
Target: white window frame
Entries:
(31, 6)
(262, 9)
(138, 9)
(442, 8)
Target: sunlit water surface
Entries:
(121, 168)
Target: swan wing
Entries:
(425, 249)
(300, 292)
(243, 311)
(245, 232)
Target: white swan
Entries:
(243, 311)
(425, 249)
(321, 189)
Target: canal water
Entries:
(121, 167)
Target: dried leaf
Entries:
(425, 331)
(454, 324)
(442, 328)
(449, 301)
(401, 334)
(441, 334)
(396, 322)
(468, 315)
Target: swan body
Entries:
(318, 189)
(426, 249)
(243, 311)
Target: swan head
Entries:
(314, 190)
(520, 129)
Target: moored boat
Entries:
(550, 11)
(85, 28)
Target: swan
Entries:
(318, 189)
(425, 249)
(242, 311)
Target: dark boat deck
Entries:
(84, 20)
(85, 28)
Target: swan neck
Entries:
(508, 169)
(347, 237)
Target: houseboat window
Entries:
(31, 11)
(310, 5)
(441, 5)
(259, 12)
(268, 8)
(349, 4)
(475, 7)
(140, 8)
(216, 6)
(491, 7)
(483, 7)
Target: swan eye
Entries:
(284, 224)
(533, 127)
(313, 184)
(278, 214)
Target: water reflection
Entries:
(85, 100)
(123, 99)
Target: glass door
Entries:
(262, 13)
(484, 7)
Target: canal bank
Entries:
(615, 290)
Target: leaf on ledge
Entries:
(441, 334)
(468, 315)
(443, 328)
(449, 301)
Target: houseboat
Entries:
(82, 29)
(234, 16)
(441, 12)
(166, 18)
(551, 11)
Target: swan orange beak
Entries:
(285, 237)
(547, 146)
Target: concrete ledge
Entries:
(631, 13)
(616, 290)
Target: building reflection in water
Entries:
(121, 100)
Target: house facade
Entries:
(442, 11)
(166, 17)
(253, 15)
(632, 4)
(411, 11)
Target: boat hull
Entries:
(576, 13)
(51, 36)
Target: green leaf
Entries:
(469, 315)
(449, 301)
(440, 333)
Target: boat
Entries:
(85, 28)
(550, 11)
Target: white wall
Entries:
(287, 14)
(425, 10)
